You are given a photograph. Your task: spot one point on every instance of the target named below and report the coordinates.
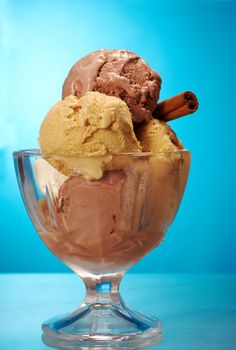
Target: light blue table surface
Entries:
(198, 311)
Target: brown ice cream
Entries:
(119, 73)
(106, 225)
(157, 136)
(96, 226)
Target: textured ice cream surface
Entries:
(157, 136)
(94, 125)
(119, 73)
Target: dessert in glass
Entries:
(100, 228)
(103, 189)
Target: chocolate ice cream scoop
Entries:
(106, 225)
(119, 73)
(99, 223)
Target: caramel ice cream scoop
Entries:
(157, 136)
(93, 125)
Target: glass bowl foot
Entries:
(97, 326)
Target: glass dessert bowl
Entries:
(100, 228)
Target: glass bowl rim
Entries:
(35, 152)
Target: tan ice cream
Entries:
(119, 73)
(169, 169)
(94, 125)
(157, 136)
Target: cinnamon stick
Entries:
(176, 106)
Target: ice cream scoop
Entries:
(94, 125)
(168, 167)
(119, 73)
(106, 225)
(157, 136)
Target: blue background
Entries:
(192, 46)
